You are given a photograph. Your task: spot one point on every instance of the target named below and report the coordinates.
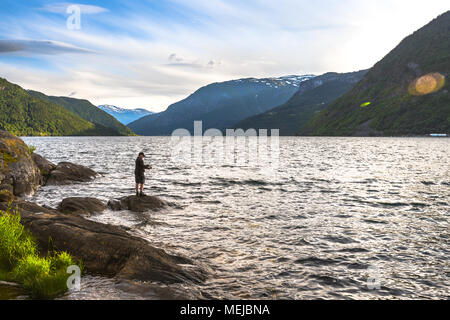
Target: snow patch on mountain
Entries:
(125, 116)
(292, 80)
(107, 107)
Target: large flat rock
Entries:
(137, 204)
(82, 206)
(67, 173)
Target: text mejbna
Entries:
(235, 309)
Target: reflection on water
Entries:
(338, 209)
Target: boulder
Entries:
(104, 249)
(45, 166)
(68, 173)
(82, 206)
(137, 204)
(62, 174)
(18, 172)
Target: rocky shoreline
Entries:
(105, 250)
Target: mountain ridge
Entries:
(220, 105)
(86, 110)
(313, 96)
(382, 103)
(25, 115)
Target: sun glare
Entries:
(427, 84)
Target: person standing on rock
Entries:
(139, 174)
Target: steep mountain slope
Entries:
(221, 105)
(25, 115)
(125, 116)
(313, 96)
(403, 94)
(87, 111)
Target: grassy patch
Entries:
(31, 149)
(44, 277)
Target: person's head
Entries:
(141, 155)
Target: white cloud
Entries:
(61, 8)
(38, 47)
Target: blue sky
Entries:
(149, 54)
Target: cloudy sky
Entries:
(149, 54)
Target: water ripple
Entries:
(337, 209)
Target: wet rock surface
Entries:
(68, 173)
(45, 166)
(137, 204)
(82, 206)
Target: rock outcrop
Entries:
(68, 173)
(64, 173)
(82, 206)
(104, 249)
(45, 166)
(21, 172)
(137, 204)
(18, 172)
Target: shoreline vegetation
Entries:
(44, 277)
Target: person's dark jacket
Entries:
(140, 167)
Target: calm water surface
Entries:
(341, 213)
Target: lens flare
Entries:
(427, 84)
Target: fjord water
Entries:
(340, 214)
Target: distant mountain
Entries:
(403, 94)
(87, 111)
(313, 96)
(125, 116)
(221, 105)
(25, 115)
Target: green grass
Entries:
(43, 276)
(31, 149)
